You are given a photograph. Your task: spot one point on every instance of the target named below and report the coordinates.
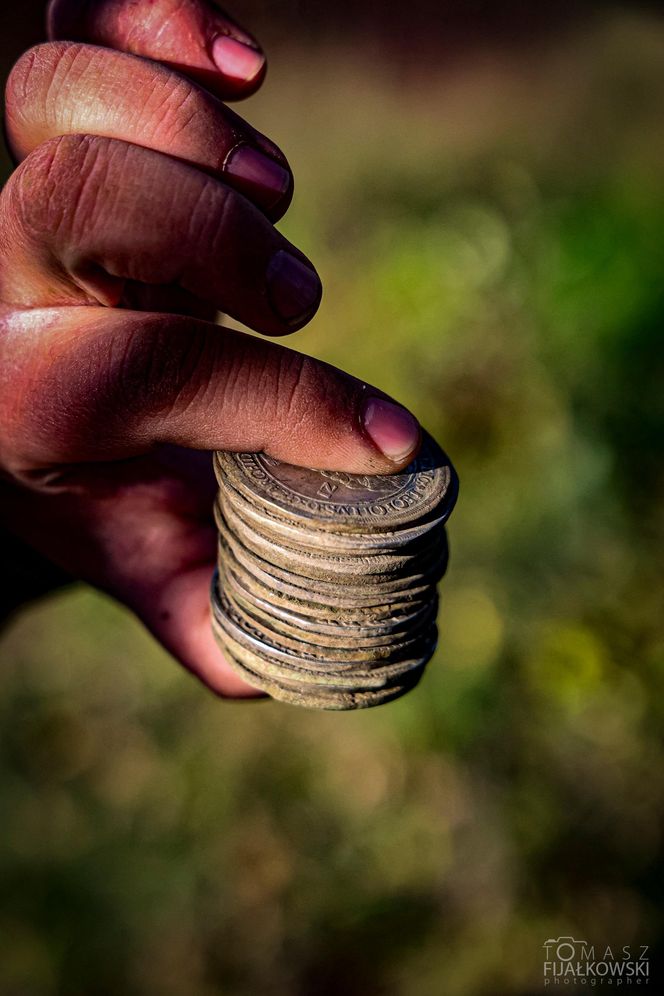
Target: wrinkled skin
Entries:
(140, 207)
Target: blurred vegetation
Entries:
(490, 241)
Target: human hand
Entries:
(141, 205)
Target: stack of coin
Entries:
(325, 594)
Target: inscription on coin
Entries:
(337, 500)
(345, 492)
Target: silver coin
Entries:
(331, 683)
(339, 702)
(339, 611)
(429, 573)
(306, 657)
(318, 619)
(345, 502)
(326, 566)
(333, 598)
(311, 631)
(304, 680)
(307, 537)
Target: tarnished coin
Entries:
(311, 631)
(345, 502)
(311, 699)
(332, 597)
(325, 594)
(296, 652)
(307, 537)
(345, 612)
(292, 676)
(321, 545)
(302, 669)
(327, 566)
(428, 573)
(310, 617)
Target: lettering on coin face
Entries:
(330, 493)
(338, 497)
(337, 487)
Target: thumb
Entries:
(118, 383)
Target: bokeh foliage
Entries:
(490, 242)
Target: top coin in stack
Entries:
(326, 589)
(343, 503)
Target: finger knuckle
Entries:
(28, 75)
(57, 187)
(19, 87)
(36, 189)
(37, 76)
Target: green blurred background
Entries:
(482, 194)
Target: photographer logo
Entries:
(568, 962)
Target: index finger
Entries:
(191, 36)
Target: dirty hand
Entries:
(140, 207)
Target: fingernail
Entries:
(236, 60)
(394, 430)
(258, 176)
(294, 288)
